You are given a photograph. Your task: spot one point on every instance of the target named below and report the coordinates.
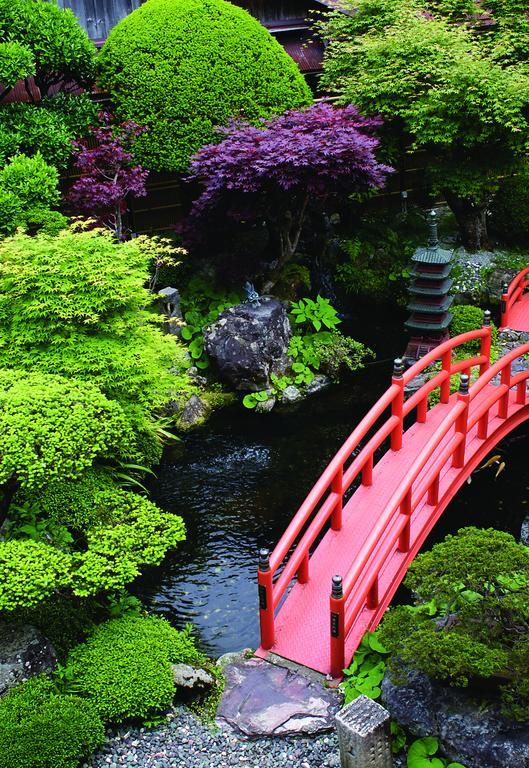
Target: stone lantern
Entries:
(429, 300)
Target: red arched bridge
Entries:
(338, 564)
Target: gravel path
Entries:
(186, 743)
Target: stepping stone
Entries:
(261, 699)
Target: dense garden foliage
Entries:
(98, 372)
(207, 63)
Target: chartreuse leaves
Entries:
(421, 754)
(367, 669)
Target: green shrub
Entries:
(467, 317)
(124, 668)
(182, 67)
(471, 616)
(30, 572)
(139, 534)
(43, 729)
(76, 304)
(29, 191)
(75, 503)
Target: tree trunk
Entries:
(290, 228)
(471, 218)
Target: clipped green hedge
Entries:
(40, 728)
(182, 67)
(125, 666)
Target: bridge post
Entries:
(446, 362)
(337, 605)
(486, 342)
(505, 380)
(458, 459)
(503, 305)
(397, 406)
(337, 487)
(266, 599)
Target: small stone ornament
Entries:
(252, 297)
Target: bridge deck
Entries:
(302, 622)
(519, 314)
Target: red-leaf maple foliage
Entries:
(274, 170)
(108, 174)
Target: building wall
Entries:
(99, 16)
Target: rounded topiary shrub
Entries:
(40, 728)
(467, 317)
(125, 666)
(182, 67)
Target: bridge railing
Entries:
(512, 293)
(324, 504)
(360, 587)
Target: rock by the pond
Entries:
(262, 699)
(473, 736)
(290, 395)
(318, 383)
(194, 412)
(266, 405)
(24, 652)
(186, 676)
(248, 343)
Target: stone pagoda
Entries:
(429, 299)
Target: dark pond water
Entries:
(242, 477)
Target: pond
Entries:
(242, 477)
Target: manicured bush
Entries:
(76, 304)
(124, 668)
(471, 617)
(31, 572)
(30, 189)
(41, 40)
(182, 67)
(41, 728)
(467, 317)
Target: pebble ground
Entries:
(187, 743)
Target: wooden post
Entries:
(503, 407)
(397, 405)
(266, 600)
(504, 322)
(303, 570)
(337, 606)
(486, 342)
(458, 459)
(405, 509)
(446, 361)
(337, 487)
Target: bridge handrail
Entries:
(335, 481)
(514, 292)
(360, 585)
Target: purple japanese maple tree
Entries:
(108, 174)
(274, 171)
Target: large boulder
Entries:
(24, 652)
(249, 342)
(477, 738)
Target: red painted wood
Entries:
(385, 522)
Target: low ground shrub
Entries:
(470, 620)
(124, 667)
(41, 728)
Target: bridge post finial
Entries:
(505, 287)
(337, 587)
(487, 318)
(463, 384)
(398, 368)
(264, 560)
